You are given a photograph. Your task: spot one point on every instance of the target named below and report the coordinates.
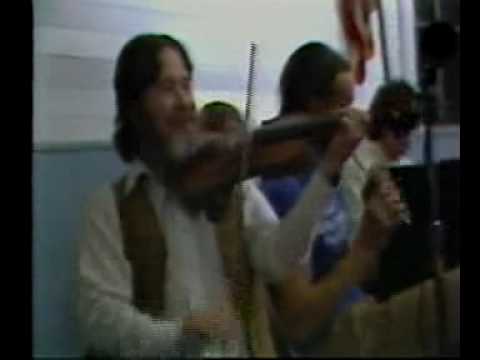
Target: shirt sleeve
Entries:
(281, 194)
(351, 185)
(109, 322)
(277, 246)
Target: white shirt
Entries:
(194, 275)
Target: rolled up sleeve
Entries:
(109, 323)
(278, 246)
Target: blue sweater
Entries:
(331, 242)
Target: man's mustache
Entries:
(184, 111)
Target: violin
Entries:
(280, 147)
(285, 146)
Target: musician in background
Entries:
(317, 80)
(222, 117)
(393, 118)
(322, 310)
(225, 119)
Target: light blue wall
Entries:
(446, 144)
(62, 181)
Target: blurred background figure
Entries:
(222, 117)
(393, 117)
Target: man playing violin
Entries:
(156, 276)
(322, 308)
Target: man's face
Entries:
(225, 124)
(396, 143)
(167, 115)
(396, 139)
(168, 105)
(341, 97)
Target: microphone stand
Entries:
(436, 230)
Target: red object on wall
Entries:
(355, 19)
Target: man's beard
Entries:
(167, 158)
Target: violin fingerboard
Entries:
(250, 84)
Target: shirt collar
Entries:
(136, 170)
(370, 153)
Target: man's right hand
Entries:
(382, 212)
(384, 208)
(343, 142)
(214, 324)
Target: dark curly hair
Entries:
(394, 107)
(137, 68)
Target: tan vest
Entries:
(145, 249)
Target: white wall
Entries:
(401, 40)
(446, 143)
(76, 43)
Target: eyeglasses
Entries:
(402, 124)
(400, 132)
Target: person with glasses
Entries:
(393, 117)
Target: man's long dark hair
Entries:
(309, 73)
(136, 70)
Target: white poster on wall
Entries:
(76, 43)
